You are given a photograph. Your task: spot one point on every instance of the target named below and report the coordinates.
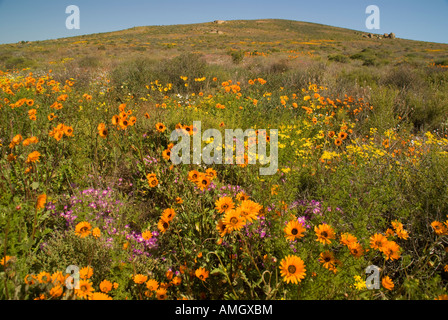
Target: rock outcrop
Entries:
(377, 36)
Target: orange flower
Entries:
(96, 232)
(29, 141)
(41, 200)
(83, 229)
(224, 204)
(342, 135)
(106, 286)
(392, 250)
(378, 241)
(387, 283)
(202, 274)
(160, 127)
(68, 131)
(153, 182)
(338, 142)
(324, 233)
(147, 235)
(15, 141)
(166, 154)
(168, 214)
(33, 157)
(203, 182)
(139, 278)
(439, 228)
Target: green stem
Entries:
(225, 273)
(4, 254)
(34, 224)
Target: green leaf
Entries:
(35, 185)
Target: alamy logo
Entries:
(257, 141)
(72, 21)
(373, 280)
(72, 281)
(373, 21)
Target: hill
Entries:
(278, 39)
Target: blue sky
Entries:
(40, 20)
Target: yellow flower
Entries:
(360, 284)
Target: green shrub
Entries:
(89, 62)
(338, 58)
(237, 56)
(130, 76)
(192, 65)
(19, 63)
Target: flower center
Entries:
(234, 220)
(292, 269)
(294, 231)
(324, 234)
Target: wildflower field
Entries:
(89, 194)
